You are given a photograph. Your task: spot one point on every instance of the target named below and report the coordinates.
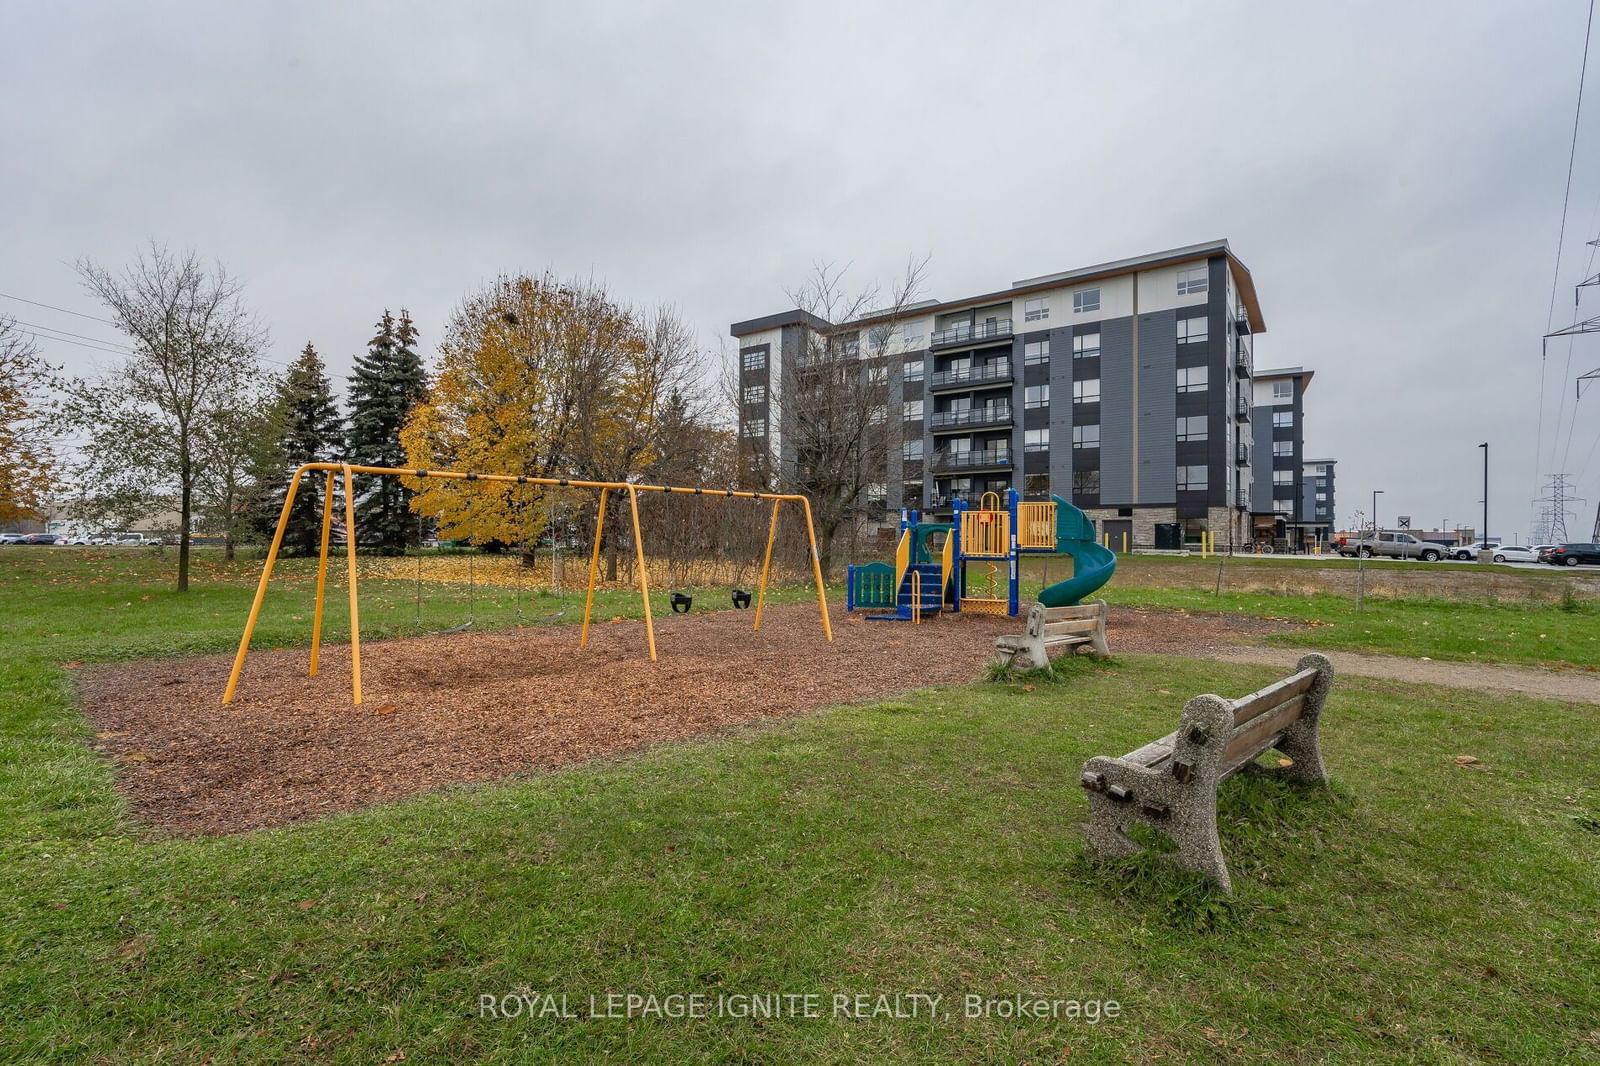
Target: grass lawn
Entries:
(1420, 911)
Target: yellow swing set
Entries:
(605, 487)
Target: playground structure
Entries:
(605, 488)
(957, 566)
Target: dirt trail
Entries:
(1572, 686)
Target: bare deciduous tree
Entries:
(833, 403)
(195, 352)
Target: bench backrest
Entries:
(1220, 736)
(1051, 623)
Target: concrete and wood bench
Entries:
(1081, 627)
(1171, 784)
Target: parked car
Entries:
(12, 538)
(1393, 545)
(1470, 551)
(1515, 553)
(1572, 555)
(41, 538)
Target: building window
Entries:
(1085, 300)
(877, 374)
(1283, 390)
(1193, 379)
(850, 346)
(913, 369)
(878, 415)
(1036, 484)
(1193, 330)
(1035, 352)
(1282, 505)
(1322, 497)
(755, 394)
(911, 493)
(1086, 482)
(913, 409)
(1086, 391)
(1192, 479)
(1036, 440)
(1283, 448)
(755, 359)
(1036, 309)
(1036, 396)
(755, 427)
(1192, 428)
(1085, 345)
(1283, 477)
(1086, 436)
(911, 449)
(911, 335)
(1192, 280)
(1282, 419)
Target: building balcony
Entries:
(1241, 408)
(1241, 454)
(966, 333)
(987, 458)
(1241, 320)
(998, 414)
(996, 372)
(1242, 360)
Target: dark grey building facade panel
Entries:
(1261, 459)
(1061, 412)
(1116, 412)
(1158, 408)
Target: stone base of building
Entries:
(1228, 526)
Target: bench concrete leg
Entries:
(1178, 798)
(1097, 639)
(1302, 741)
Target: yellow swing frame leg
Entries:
(644, 576)
(766, 563)
(816, 569)
(261, 590)
(322, 572)
(594, 568)
(355, 603)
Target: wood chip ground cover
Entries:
(472, 707)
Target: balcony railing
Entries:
(1242, 360)
(989, 415)
(969, 332)
(997, 370)
(1242, 408)
(953, 460)
(1241, 320)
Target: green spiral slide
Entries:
(1092, 563)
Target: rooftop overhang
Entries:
(796, 317)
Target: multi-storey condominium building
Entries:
(1317, 502)
(1124, 387)
(1292, 497)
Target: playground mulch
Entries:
(472, 707)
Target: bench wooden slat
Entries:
(1056, 614)
(1260, 702)
(1154, 753)
(1264, 725)
(1073, 628)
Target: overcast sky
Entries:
(1391, 173)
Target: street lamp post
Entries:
(1375, 494)
(1485, 555)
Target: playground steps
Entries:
(931, 594)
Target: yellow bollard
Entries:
(1125, 544)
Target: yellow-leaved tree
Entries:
(25, 459)
(543, 378)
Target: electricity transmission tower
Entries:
(1558, 496)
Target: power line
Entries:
(53, 307)
(1561, 238)
(80, 336)
(80, 344)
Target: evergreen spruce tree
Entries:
(387, 381)
(309, 431)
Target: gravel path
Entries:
(1572, 686)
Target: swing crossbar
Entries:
(350, 470)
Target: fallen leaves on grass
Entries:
(1469, 762)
